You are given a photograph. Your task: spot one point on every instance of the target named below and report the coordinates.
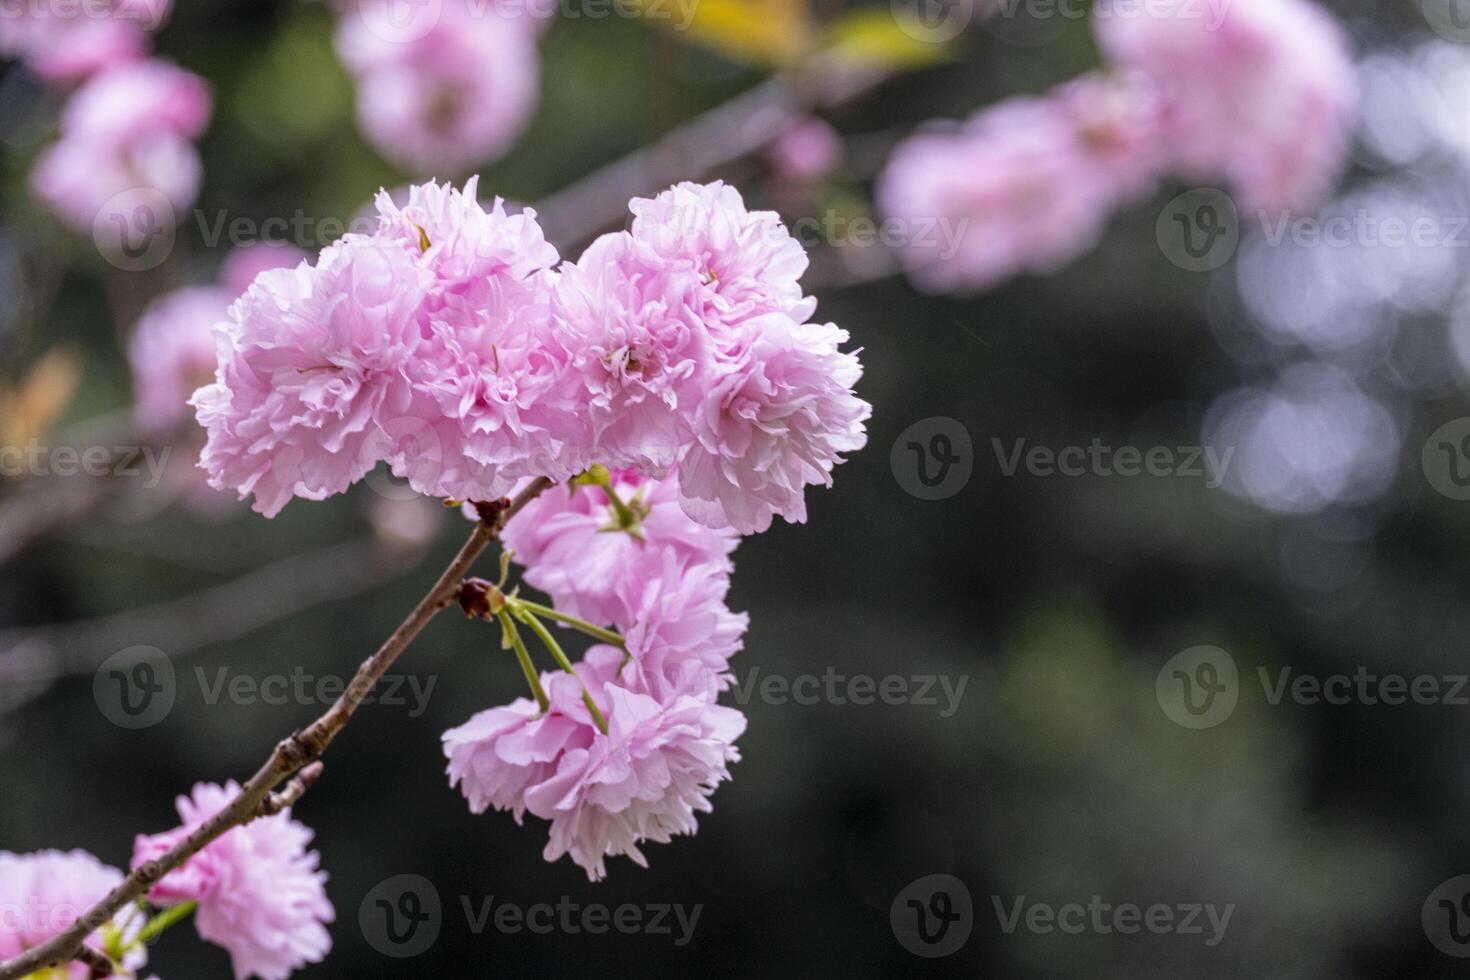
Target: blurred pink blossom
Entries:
(449, 100)
(128, 129)
(42, 894)
(808, 151)
(66, 43)
(1256, 93)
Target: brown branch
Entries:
(292, 756)
(98, 963)
(697, 150)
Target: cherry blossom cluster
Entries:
(446, 89)
(256, 892)
(628, 746)
(451, 345)
(1254, 94)
(129, 122)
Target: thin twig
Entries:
(698, 149)
(34, 658)
(291, 756)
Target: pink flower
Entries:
(450, 100)
(261, 894)
(487, 374)
(128, 129)
(43, 894)
(173, 352)
(644, 780)
(636, 346)
(575, 548)
(311, 360)
(1258, 93)
(1018, 188)
(776, 415)
(680, 633)
(746, 262)
(808, 151)
(604, 794)
(67, 43)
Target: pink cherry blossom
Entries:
(127, 129)
(451, 99)
(311, 360)
(173, 352)
(64, 43)
(487, 408)
(1258, 93)
(1019, 185)
(747, 262)
(807, 151)
(776, 416)
(636, 349)
(644, 780)
(42, 894)
(680, 633)
(261, 894)
(575, 549)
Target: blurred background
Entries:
(1334, 543)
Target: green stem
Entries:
(592, 630)
(539, 628)
(527, 668)
(627, 520)
(160, 922)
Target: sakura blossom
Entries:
(65, 44)
(605, 794)
(44, 893)
(260, 893)
(1259, 95)
(576, 543)
(126, 131)
(451, 99)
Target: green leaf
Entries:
(884, 37)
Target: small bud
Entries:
(480, 599)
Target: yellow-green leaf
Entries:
(758, 32)
(885, 37)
